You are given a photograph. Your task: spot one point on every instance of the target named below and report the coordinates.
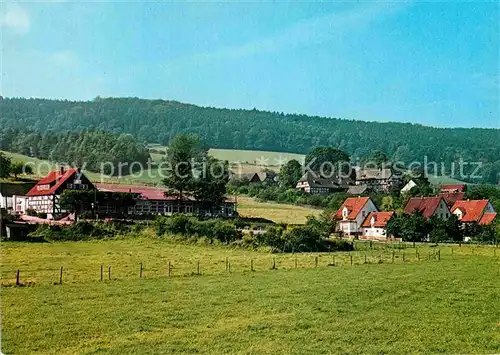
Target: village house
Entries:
(452, 188)
(409, 185)
(375, 225)
(451, 197)
(313, 183)
(352, 214)
(474, 211)
(428, 206)
(10, 190)
(44, 196)
(379, 180)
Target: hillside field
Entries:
(276, 212)
(431, 306)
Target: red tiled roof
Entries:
(57, 178)
(426, 205)
(453, 188)
(474, 209)
(354, 206)
(147, 193)
(487, 218)
(451, 197)
(381, 219)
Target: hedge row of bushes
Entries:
(80, 231)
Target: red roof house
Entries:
(479, 211)
(428, 206)
(374, 225)
(377, 219)
(453, 188)
(44, 196)
(451, 197)
(352, 213)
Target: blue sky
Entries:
(434, 63)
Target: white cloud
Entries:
(15, 18)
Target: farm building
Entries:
(375, 224)
(428, 206)
(9, 191)
(44, 196)
(154, 201)
(474, 211)
(380, 180)
(313, 183)
(353, 213)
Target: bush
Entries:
(31, 212)
(42, 215)
(79, 231)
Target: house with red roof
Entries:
(451, 188)
(44, 196)
(474, 211)
(352, 214)
(451, 197)
(375, 224)
(428, 206)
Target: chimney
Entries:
(62, 169)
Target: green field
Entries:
(276, 212)
(446, 306)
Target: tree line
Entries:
(94, 151)
(159, 121)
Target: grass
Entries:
(277, 212)
(447, 306)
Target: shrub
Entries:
(31, 212)
(42, 215)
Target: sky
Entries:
(427, 62)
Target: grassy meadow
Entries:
(276, 212)
(431, 306)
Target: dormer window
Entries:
(345, 212)
(372, 221)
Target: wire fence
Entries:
(87, 271)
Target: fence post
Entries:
(451, 251)
(333, 260)
(404, 258)
(169, 268)
(140, 273)
(495, 251)
(227, 264)
(439, 255)
(60, 276)
(351, 259)
(295, 260)
(393, 256)
(101, 271)
(251, 265)
(365, 258)
(371, 244)
(109, 272)
(274, 263)
(198, 268)
(229, 267)
(17, 278)
(315, 261)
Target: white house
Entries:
(410, 185)
(375, 225)
(352, 214)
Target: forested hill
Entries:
(158, 121)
